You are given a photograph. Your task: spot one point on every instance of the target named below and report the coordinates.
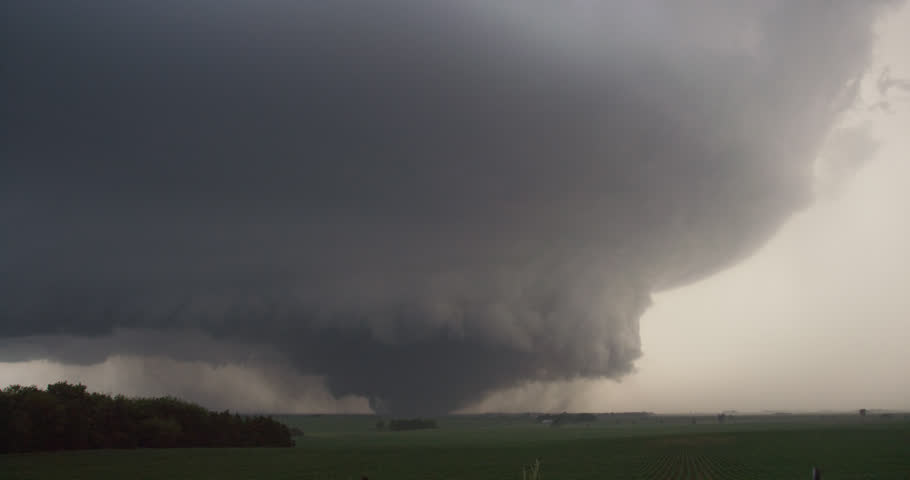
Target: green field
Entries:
(497, 446)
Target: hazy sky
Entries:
(294, 207)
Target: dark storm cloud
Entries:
(422, 202)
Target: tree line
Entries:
(67, 417)
(397, 425)
(566, 418)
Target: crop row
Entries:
(685, 466)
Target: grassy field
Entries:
(497, 446)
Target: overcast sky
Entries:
(603, 207)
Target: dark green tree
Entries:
(67, 417)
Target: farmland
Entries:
(497, 446)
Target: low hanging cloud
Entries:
(227, 386)
(420, 203)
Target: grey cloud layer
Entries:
(423, 203)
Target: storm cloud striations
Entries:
(422, 202)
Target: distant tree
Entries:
(380, 425)
(721, 418)
(411, 424)
(862, 412)
(566, 418)
(585, 417)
